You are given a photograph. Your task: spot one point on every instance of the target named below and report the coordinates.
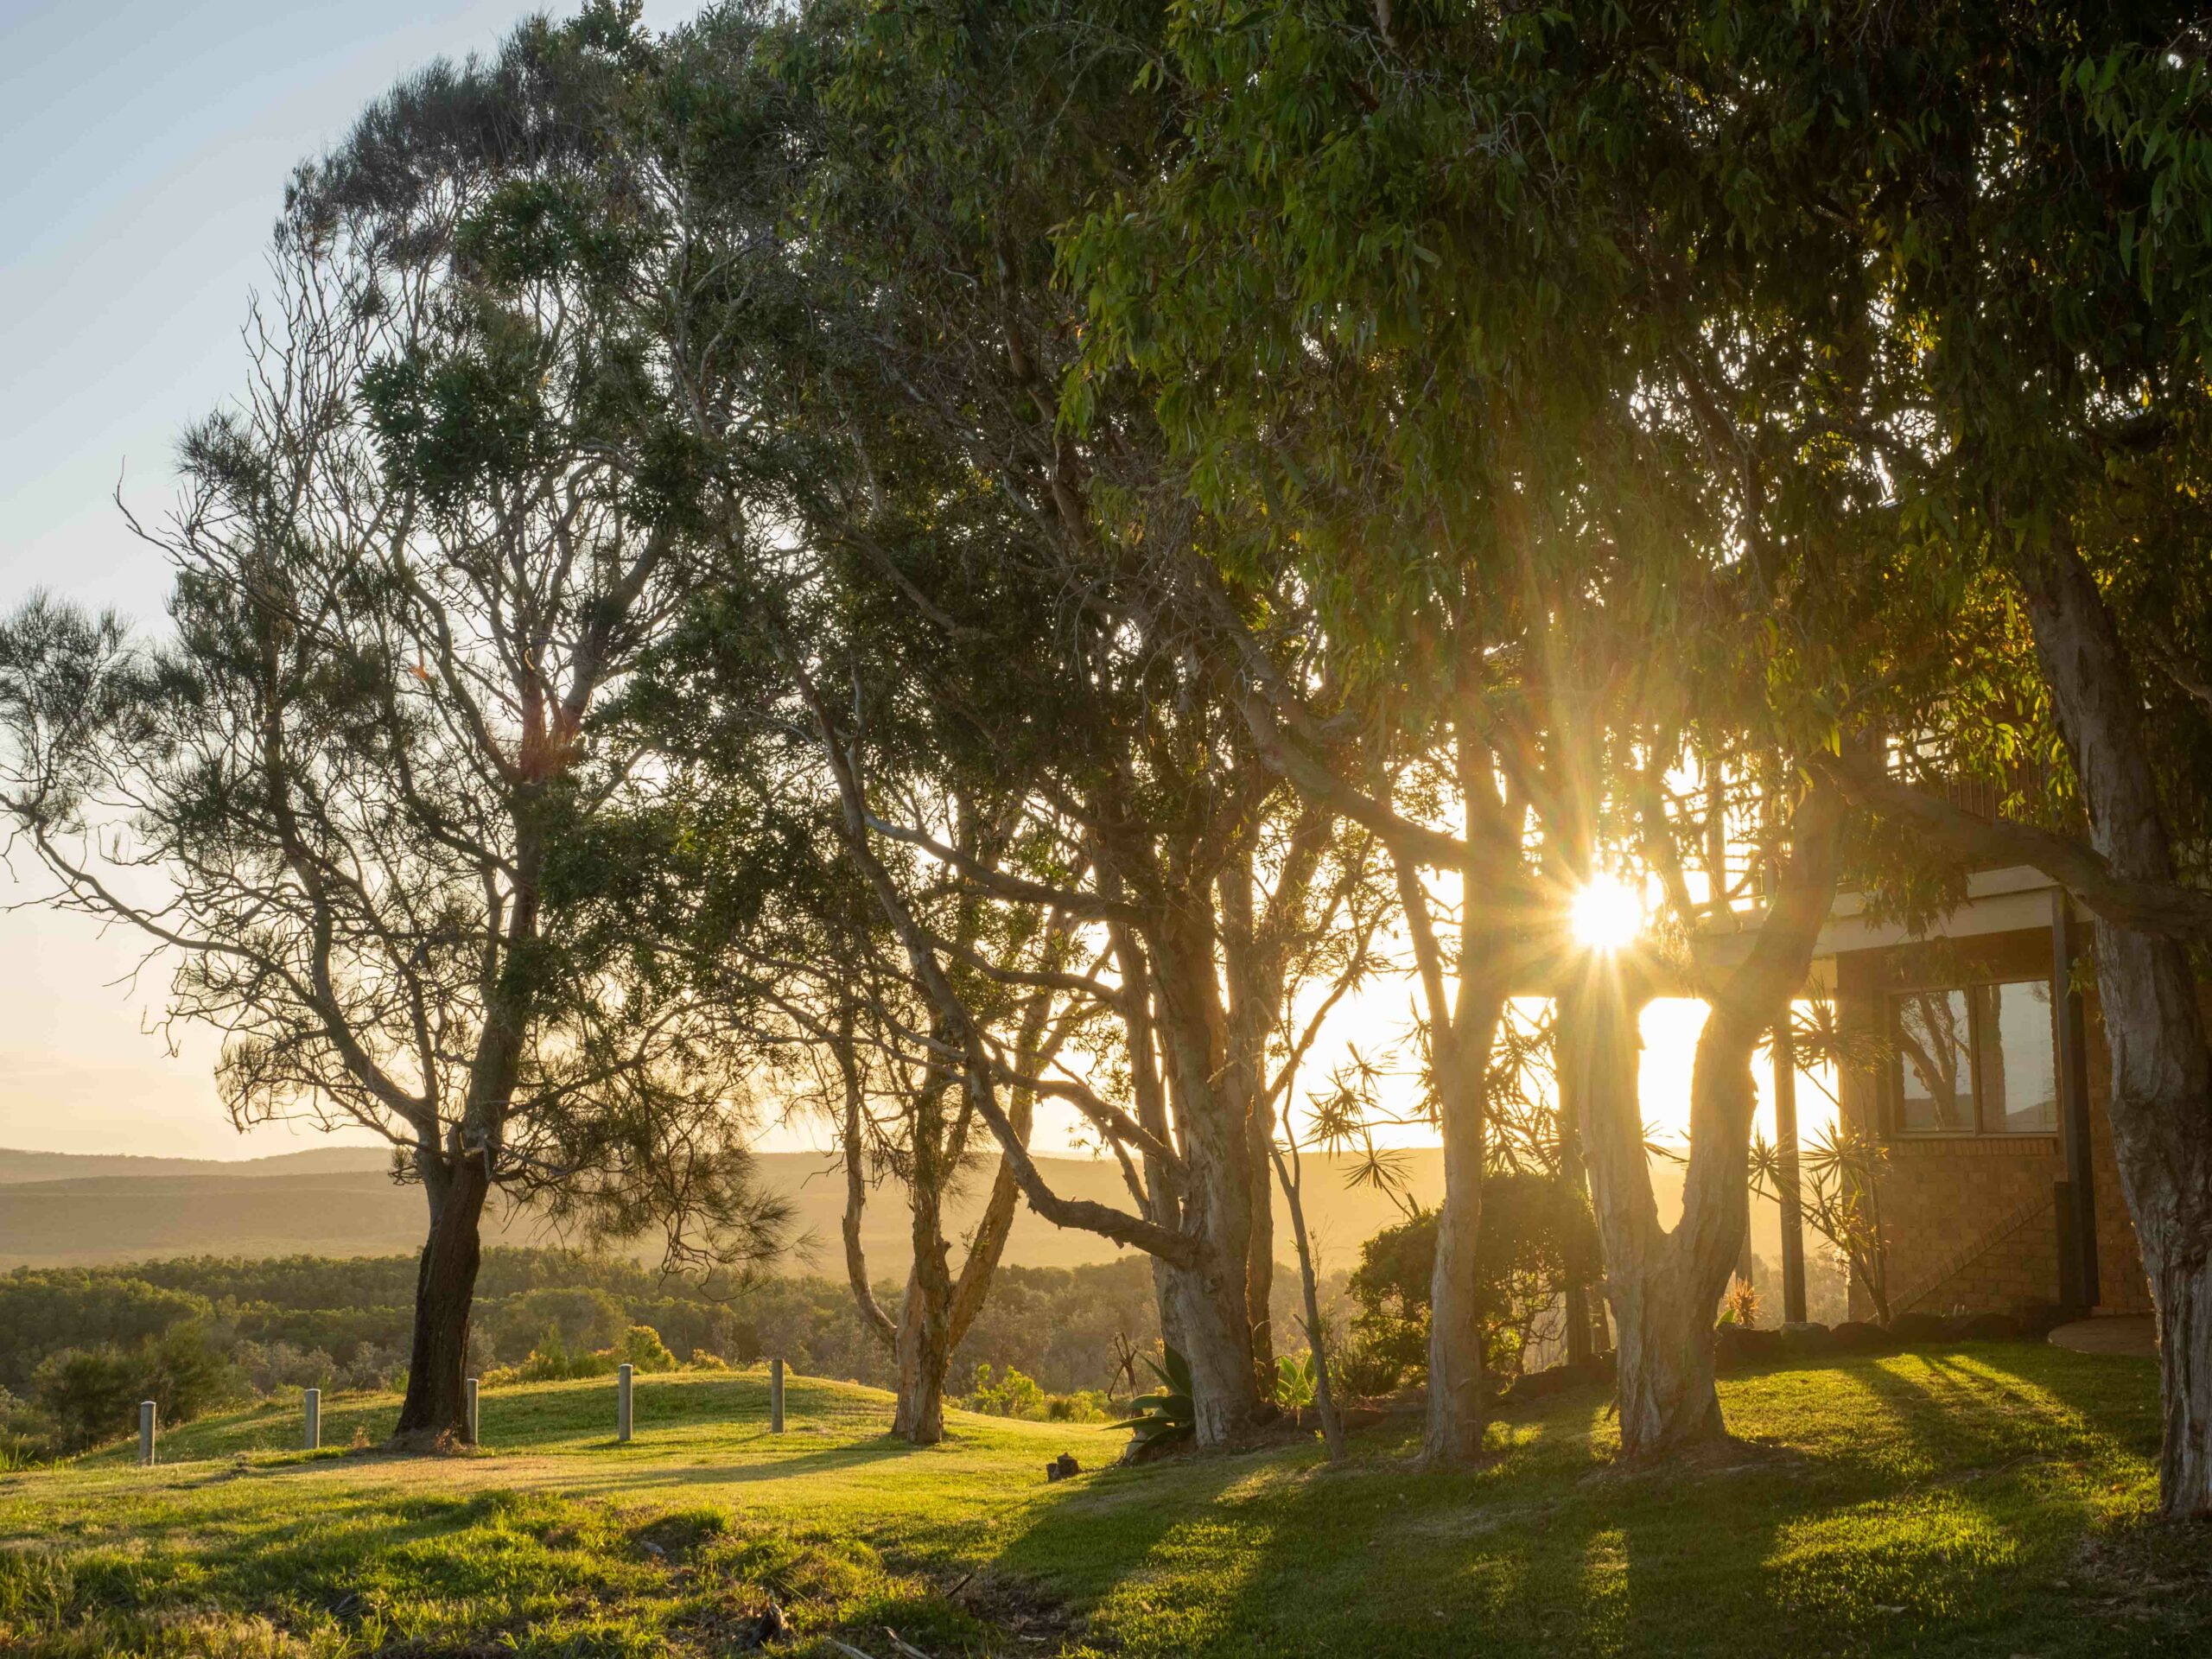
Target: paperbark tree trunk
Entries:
(924, 1350)
(1452, 1433)
(435, 1408)
(1206, 1297)
(2160, 1100)
(1664, 1288)
(1662, 1348)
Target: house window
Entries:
(1976, 1060)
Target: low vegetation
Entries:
(79, 1347)
(1979, 1499)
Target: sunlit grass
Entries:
(1968, 1502)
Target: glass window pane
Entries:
(2018, 1059)
(1933, 1048)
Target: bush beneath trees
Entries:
(1534, 1226)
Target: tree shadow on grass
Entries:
(1284, 1554)
(1915, 1520)
(1941, 1528)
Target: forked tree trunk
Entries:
(1665, 1314)
(1664, 1287)
(435, 1408)
(2160, 1102)
(937, 1310)
(1662, 1343)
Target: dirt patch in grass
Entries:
(1016, 1607)
(2142, 1573)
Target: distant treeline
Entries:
(345, 1322)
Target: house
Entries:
(1996, 1190)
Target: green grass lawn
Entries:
(1990, 1499)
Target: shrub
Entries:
(1084, 1405)
(1012, 1395)
(551, 1362)
(373, 1369)
(1535, 1230)
(1363, 1370)
(643, 1349)
(1741, 1305)
(269, 1366)
(1294, 1381)
(93, 1394)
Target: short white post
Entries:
(475, 1439)
(314, 1398)
(622, 1403)
(145, 1433)
(776, 1395)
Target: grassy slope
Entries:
(1987, 1500)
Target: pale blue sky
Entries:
(144, 149)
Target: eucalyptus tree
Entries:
(779, 929)
(959, 559)
(2028, 187)
(361, 791)
(1444, 311)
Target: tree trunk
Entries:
(1665, 1288)
(1663, 1336)
(2160, 1102)
(437, 1407)
(988, 1243)
(1207, 1299)
(1662, 1321)
(1457, 1398)
(1325, 1396)
(924, 1350)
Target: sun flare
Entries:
(1607, 914)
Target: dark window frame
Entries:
(1893, 1003)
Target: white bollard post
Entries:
(622, 1403)
(475, 1439)
(776, 1395)
(314, 1398)
(145, 1433)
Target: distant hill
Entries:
(17, 1166)
(59, 1210)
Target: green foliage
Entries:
(293, 1320)
(51, 1308)
(1535, 1227)
(642, 1349)
(579, 1317)
(552, 1361)
(1294, 1381)
(91, 1394)
(1166, 1416)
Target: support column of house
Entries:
(2077, 1190)
(1785, 1144)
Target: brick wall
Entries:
(1944, 1199)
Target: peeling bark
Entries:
(2160, 1100)
(1664, 1287)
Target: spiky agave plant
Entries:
(1165, 1417)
